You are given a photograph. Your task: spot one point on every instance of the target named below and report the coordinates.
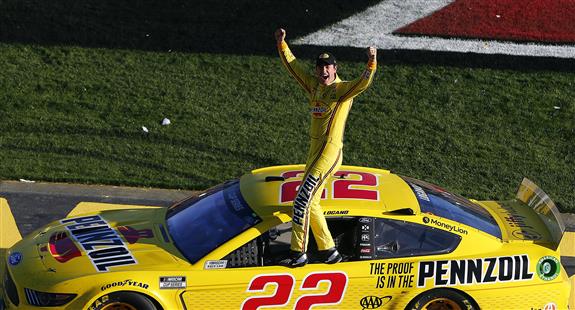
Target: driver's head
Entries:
(325, 68)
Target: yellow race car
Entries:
(406, 244)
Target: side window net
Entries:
(248, 255)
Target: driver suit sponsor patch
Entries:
(301, 201)
(103, 245)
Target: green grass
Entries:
(75, 114)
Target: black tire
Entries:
(123, 301)
(442, 299)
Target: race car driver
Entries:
(330, 100)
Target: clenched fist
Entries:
(371, 53)
(280, 35)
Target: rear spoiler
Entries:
(533, 196)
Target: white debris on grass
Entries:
(166, 121)
(145, 129)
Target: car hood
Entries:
(101, 242)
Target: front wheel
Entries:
(442, 300)
(123, 301)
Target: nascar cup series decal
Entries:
(172, 282)
(474, 271)
(104, 246)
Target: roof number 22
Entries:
(343, 186)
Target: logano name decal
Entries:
(103, 245)
(474, 271)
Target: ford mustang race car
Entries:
(406, 244)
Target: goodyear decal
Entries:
(104, 246)
(128, 282)
(474, 271)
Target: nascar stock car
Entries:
(406, 244)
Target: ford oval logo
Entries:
(15, 258)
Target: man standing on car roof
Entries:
(330, 100)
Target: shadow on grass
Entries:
(453, 59)
(226, 26)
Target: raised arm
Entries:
(353, 88)
(299, 72)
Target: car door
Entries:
(314, 285)
(379, 270)
(251, 277)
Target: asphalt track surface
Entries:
(36, 204)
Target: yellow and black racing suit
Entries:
(329, 106)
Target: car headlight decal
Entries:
(42, 299)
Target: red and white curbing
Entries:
(374, 27)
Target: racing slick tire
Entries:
(123, 301)
(441, 299)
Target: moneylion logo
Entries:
(449, 227)
(373, 302)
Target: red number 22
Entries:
(285, 283)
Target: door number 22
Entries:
(284, 289)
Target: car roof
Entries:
(360, 191)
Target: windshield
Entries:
(202, 223)
(435, 200)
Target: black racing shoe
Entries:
(296, 259)
(331, 256)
